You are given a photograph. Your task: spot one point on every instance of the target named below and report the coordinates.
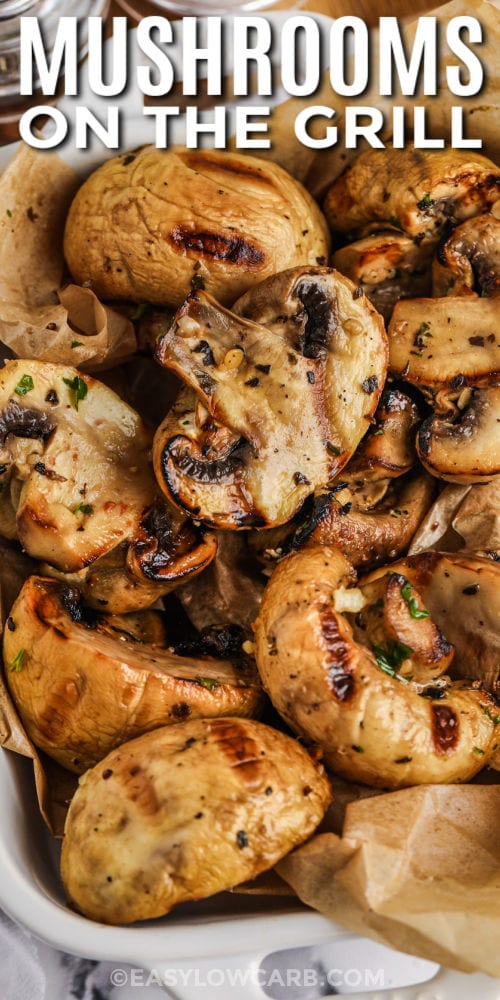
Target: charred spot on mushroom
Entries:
(164, 540)
(234, 249)
(340, 676)
(445, 728)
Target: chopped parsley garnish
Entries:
(478, 751)
(24, 385)
(207, 682)
(380, 431)
(84, 508)
(332, 448)
(396, 512)
(79, 387)
(77, 343)
(415, 611)
(17, 662)
(9, 213)
(390, 659)
(494, 718)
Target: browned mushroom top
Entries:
(415, 191)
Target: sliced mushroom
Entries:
(78, 482)
(283, 399)
(388, 266)
(415, 191)
(465, 448)
(372, 512)
(462, 591)
(84, 686)
(368, 527)
(445, 343)
(468, 261)
(375, 722)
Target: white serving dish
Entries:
(232, 933)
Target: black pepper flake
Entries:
(52, 397)
(306, 790)
(198, 815)
(268, 790)
(32, 215)
(107, 773)
(472, 589)
(241, 839)
(11, 625)
(403, 760)
(51, 326)
(181, 710)
(345, 508)
(198, 283)
(109, 878)
(300, 479)
(370, 384)
(477, 341)
(293, 359)
(311, 377)
(252, 382)
(128, 159)
(358, 292)
(265, 369)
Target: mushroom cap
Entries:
(185, 812)
(284, 396)
(464, 448)
(388, 266)
(145, 224)
(336, 684)
(468, 260)
(417, 191)
(87, 683)
(462, 591)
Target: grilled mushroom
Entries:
(382, 713)
(372, 512)
(144, 226)
(185, 812)
(388, 266)
(78, 483)
(462, 592)
(445, 343)
(84, 684)
(369, 525)
(415, 191)
(468, 260)
(283, 400)
(464, 448)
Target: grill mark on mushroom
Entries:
(340, 678)
(239, 749)
(137, 785)
(445, 728)
(233, 249)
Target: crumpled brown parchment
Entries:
(418, 870)
(39, 318)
